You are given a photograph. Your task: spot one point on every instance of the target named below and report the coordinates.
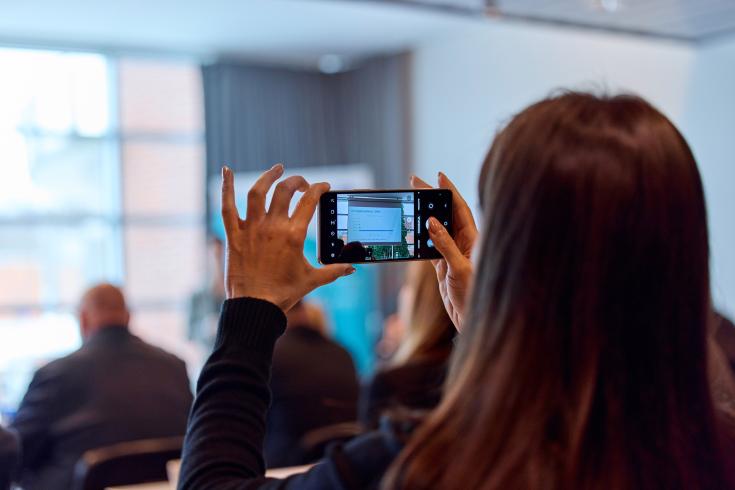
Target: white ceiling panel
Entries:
(689, 20)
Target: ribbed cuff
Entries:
(250, 323)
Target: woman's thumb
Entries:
(330, 273)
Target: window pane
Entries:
(54, 91)
(53, 264)
(163, 264)
(27, 342)
(56, 175)
(160, 97)
(164, 178)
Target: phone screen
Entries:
(378, 226)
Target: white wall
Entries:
(467, 84)
(709, 124)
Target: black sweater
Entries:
(224, 441)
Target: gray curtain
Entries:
(257, 116)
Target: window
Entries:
(102, 179)
(163, 182)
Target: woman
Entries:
(414, 377)
(582, 359)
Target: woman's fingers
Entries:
(257, 193)
(284, 193)
(229, 210)
(307, 204)
(461, 212)
(445, 244)
(419, 183)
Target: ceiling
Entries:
(300, 32)
(279, 31)
(688, 20)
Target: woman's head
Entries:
(583, 359)
(428, 330)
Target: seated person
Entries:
(115, 388)
(415, 374)
(390, 338)
(584, 318)
(8, 457)
(205, 304)
(314, 385)
(725, 336)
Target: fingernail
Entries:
(349, 271)
(277, 166)
(225, 171)
(434, 225)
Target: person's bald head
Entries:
(102, 306)
(307, 315)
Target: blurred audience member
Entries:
(725, 336)
(414, 377)
(204, 305)
(721, 344)
(314, 385)
(114, 388)
(8, 457)
(390, 340)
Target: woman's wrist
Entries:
(240, 288)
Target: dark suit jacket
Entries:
(314, 384)
(115, 388)
(8, 457)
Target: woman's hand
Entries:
(264, 258)
(454, 271)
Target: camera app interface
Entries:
(375, 226)
(367, 226)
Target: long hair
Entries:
(582, 363)
(429, 330)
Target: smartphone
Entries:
(366, 226)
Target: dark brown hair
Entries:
(582, 363)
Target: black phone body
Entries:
(370, 226)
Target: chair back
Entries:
(315, 442)
(126, 463)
